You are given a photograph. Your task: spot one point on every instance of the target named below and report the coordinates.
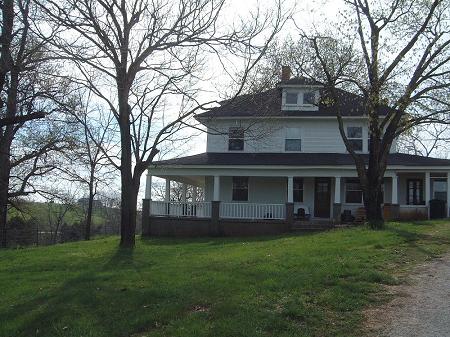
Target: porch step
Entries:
(312, 225)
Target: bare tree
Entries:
(87, 162)
(58, 207)
(28, 92)
(426, 140)
(153, 54)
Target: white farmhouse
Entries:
(276, 161)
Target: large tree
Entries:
(146, 61)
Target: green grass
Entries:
(291, 285)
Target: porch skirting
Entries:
(197, 227)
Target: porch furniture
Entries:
(303, 213)
(347, 217)
(437, 209)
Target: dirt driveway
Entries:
(420, 309)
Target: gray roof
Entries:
(268, 103)
(295, 159)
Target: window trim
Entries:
(230, 138)
(233, 189)
(346, 190)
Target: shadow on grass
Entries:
(121, 258)
(420, 241)
(88, 301)
(220, 240)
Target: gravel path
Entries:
(421, 309)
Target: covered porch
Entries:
(276, 200)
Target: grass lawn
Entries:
(291, 285)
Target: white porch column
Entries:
(148, 187)
(216, 194)
(394, 189)
(183, 192)
(448, 194)
(337, 190)
(427, 188)
(167, 197)
(194, 193)
(290, 187)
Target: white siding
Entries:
(317, 135)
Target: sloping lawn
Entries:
(292, 285)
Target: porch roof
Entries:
(294, 159)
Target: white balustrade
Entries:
(252, 211)
(179, 209)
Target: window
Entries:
(291, 98)
(298, 189)
(309, 97)
(236, 139)
(293, 140)
(240, 188)
(293, 145)
(353, 191)
(415, 192)
(354, 135)
(440, 189)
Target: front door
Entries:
(322, 197)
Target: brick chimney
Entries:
(285, 73)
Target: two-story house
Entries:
(276, 158)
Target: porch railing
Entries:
(252, 211)
(174, 208)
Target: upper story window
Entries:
(240, 189)
(354, 136)
(236, 139)
(293, 141)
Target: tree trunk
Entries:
(87, 233)
(5, 171)
(129, 192)
(88, 221)
(128, 213)
(4, 183)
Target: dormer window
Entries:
(309, 97)
(291, 98)
(235, 139)
(300, 99)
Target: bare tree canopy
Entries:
(146, 62)
(28, 91)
